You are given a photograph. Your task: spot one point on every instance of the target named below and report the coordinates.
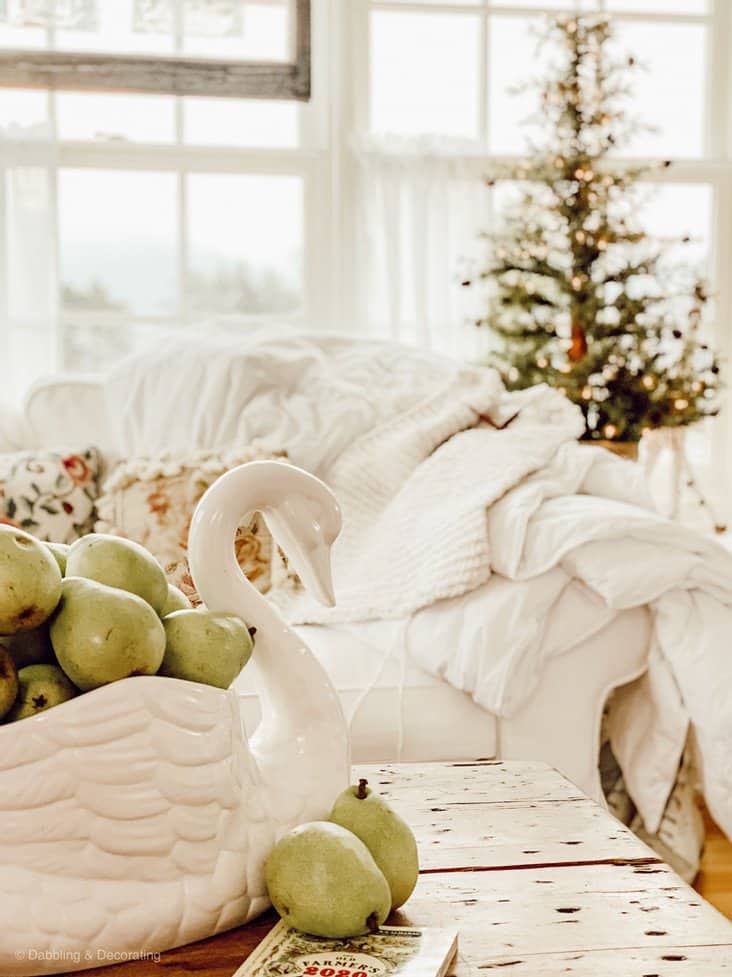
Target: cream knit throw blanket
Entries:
(415, 491)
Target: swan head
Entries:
(305, 519)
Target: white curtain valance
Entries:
(422, 207)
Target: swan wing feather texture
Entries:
(127, 821)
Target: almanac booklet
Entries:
(394, 950)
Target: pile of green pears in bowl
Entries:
(342, 877)
(76, 617)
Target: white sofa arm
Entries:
(560, 723)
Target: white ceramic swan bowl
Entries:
(138, 817)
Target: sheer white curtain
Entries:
(421, 209)
(28, 273)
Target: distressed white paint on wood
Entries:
(524, 833)
(666, 961)
(565, 909)
(489, 781)
(619, 911)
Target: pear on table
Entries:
(341, 878)
(386, 835)
(102, 634)
(30, 581)
(119, 563)
(41, 687)
(322, 880)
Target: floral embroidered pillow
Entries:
(50, 494)
(151, 500)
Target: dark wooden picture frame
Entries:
(150, 74)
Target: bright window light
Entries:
(424, 73)
(246, 243)
(119, 239)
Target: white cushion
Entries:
(65, 411)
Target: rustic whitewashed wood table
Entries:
(538, 880)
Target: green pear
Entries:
(30, 581)
(41, 688)
(119, 563)
(31, 647)
(177, 601)
(322, 880)
(204, 646)
(386, 835)
(8, 681)
(101, 634)
(60, 552)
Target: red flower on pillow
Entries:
(77, 469)
(158, 502)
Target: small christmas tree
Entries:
(578, 298)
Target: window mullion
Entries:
(484, 69)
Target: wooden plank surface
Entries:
(487, 781)
(502, 835)
(538, 880)
(699, 961)
(564, 909)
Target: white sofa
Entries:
(198, 399)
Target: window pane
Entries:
(20, 25)
(568, 5)
(246, 244)
(118, 240)
(24, 114)
(424, 73)
(442, 3)
(669, 88)
(234, 122)
(674, 210)
(118, 26)
(112, 117)
(245, 29)
(659, 6)
(235, 29)
(512, 114)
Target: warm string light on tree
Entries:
(577, 297)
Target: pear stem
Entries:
(361, 793)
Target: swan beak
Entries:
(317, 575)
